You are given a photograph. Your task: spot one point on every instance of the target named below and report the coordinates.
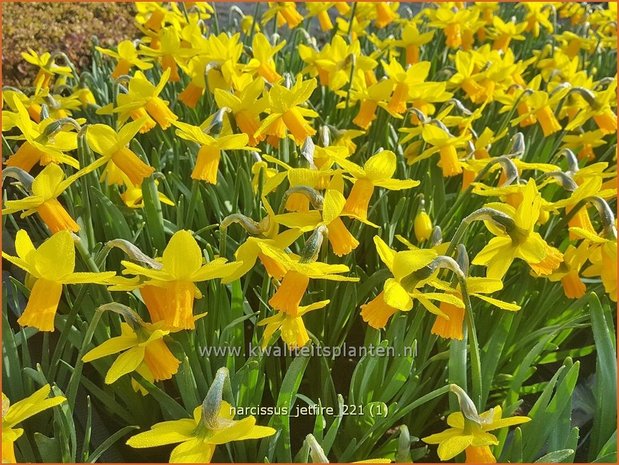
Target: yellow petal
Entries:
(193, 451)
(381, 165)
(167, 432)
(182, 257)
(451, 447)
(45, 184)
(55, 258)
(127, 362)
(31, 405)
(333, 204)
(396, 296)
(111, 346)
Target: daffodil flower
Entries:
(47, 67)
(284, 13)
(112, 145)
(207, 162)
(293, 331)
(469, 431)
(451, 327)
(169, 291)
(143, 97)
(14, 414)
(286, 114)
(265, 236)
(299, 272)
(127, 57)
(320, 10)
(50, 266)
(212, 424)
(143, 350)
(377, 171)
(262, 61)
(568, 272)
(517, 239)
(168, 50)
(412, 40)
(446, 145)
(340, 238)
(46, 142)
(400, 291)
(246, 106)
(46, 188)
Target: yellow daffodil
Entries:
(143, 350)
(504, 32)
(515, 238)
(50, 266)
(46, 142)
(293, 331)
(207, 161)
(568, 272)
(212, 424)
(451, 328)
(168, 50)
(245, 106)
(112, 146)
(377, 171)
(127, 57)
(283, 13)
(47, 67)
(469, 431)
(412, 40)
(169, 290)
(143, 98)
(299, 271)
(286, 114)
(443, 142)
(262, 61)
(46, 188)
(406, 285)
(14, 414)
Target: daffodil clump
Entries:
(287, 234)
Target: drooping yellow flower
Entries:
(286, 114)
(284, 13)
(169, 291)
(412, 40)
(296, 280)
(446, 144)
(377, 171)
(212, 424)
(46, 142)
(451, 328)
(406, 285)
(263, 62)
(51, 265)
(469, 431)
(127, 57)
(143, 350)
(143, 98)
(169, 51)
(568, 272)
(112, 145)
(46, 188)
(293, 331)
(246, 106)
(47, 67)
(332, 206)
(516, 238)
(207, 161)
(14, 414)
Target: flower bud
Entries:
(422, 224)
